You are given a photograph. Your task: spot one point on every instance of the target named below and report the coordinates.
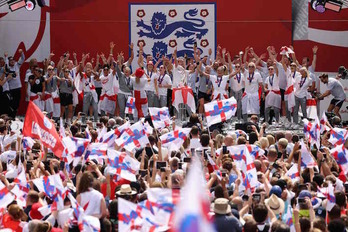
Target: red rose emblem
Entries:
(204, 13)
(141, 13)
(172, 13)
(172, 43)
(204, 43)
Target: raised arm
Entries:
(130, 60)
(175, 58)
(22, 57)
(201, 72)
(314, 61)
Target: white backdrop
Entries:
(161, 27)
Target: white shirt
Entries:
(108, 83)
(93, 199)
(87, 83)
(141, 85)
(219, 84)
(272, 82)
(301, 85)
(150, 86)
(179, 76)
(163, 80)
(252, 84)
(195, 143)
(235, 84)
(8, 156)
(282, 76)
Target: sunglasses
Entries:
(50, 69)
(66, 71)
(292, 65)
(250, 66)
(271, 69)
(237, 66)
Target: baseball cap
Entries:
(305, 193)
(276, 190)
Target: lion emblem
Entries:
(159, 29)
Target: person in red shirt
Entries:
(14, 217)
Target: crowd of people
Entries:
(102, 86)
(256, 180)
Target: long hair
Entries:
(86, 182)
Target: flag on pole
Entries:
(122, 165)
(340, 153)
(307, 160)
(174, 139)
(130, 106)
(312, 131)
(192, 211)
(220, 110)
(160, 117)
(133, 137)
(338, 136)
(38, 126)
(323, 123)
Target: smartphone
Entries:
(223, 174)
(163, 169)
(142, 172)
(301, 200)
(245, 197)
(275, 165)
(257, 197)
(29, 165)
(46, 164)
(180, 165)
(224, 150)
(346, 188)
(160, 165)
(61, 165)
(187, 160)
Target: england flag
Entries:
(133, 137)
(160, 117)
(123, 165)
(174, 139)
(220, 111)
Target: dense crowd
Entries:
(154, 175)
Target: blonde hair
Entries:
(264, 143)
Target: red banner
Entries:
(38, 126)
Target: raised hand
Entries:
(112, 45)
(315, 49)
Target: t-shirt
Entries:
(336, 89)
(8, 156)
(91, 201)
(179, 76)
(282, 76)
(163, 80)
(150, 86)
(51, 85)
(191, 81)
(64, 87)
(236, 82)
(87, 83)
(139, 85)
(272, 82)
(36, 86)
(251, 82)
(301, 85)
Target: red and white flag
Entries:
(293, 173)
(133, 137)
(192, 212)
(312, 131)
(160, 117)
(183, 95)
(307, 160)
(6, 197)
(130, 106)
(123, 165)
(338, 136)
(174, 139)
(323, 123)
(311, 104)
(38, 126)
(220, 111)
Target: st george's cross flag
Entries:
(340, 153)
(133, 137)
(338, 136)
(183, 95)
(130, 106)
(220, 111)
(312, 131)
(174, 139)
(307, 161)
(123, 165)
(192, 212)
(160, 117)
(38, 126)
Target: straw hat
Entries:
(275, 204)
(126, 190)
(221, 206)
